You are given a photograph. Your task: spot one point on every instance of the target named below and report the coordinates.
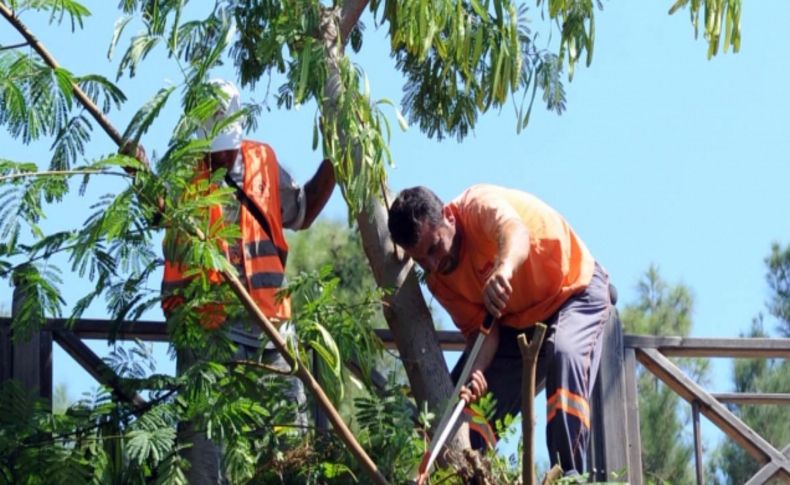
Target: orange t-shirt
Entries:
(557, 267)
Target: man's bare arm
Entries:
(317, 192)
(512, 251)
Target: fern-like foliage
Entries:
(386, 427)
(58, 10)
(37, 293)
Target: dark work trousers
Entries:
(567, 367)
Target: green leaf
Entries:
(65, 84)
(117, 31)
(315, 134)
(304, 61)
(678, 5)
(336, 470)
(327, 349)
(101, 91)
(138, 49)
(479, 10)
(145, 116)
(404, 125)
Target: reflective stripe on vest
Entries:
(256, 249)
(266, 280)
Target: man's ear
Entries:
(449, 217)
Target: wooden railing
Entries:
(616, 407)
(616, 444)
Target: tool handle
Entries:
(436, 445)
(488, 324)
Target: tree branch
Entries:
(13, 46)
(261, 365)
(65, 173)
(349, 16)
(11, 17)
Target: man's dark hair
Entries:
(410, 209)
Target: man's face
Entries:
(223, 159)
(437, 247)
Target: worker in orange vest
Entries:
(267, 201)
(506, 252)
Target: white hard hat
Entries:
(230, 103)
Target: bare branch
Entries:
(13, 46)
(64, 173)
(261, 365)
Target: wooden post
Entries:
(632, 419)
(28, 362)
(6, 352)
(609, 434)
(529, 360)
(697, 442)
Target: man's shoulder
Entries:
(477, 198)
(482, 191)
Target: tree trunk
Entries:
(407, 314)
(405, 309)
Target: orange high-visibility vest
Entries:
(263, 257)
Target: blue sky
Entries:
(661, 157)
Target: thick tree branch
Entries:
(349, 16)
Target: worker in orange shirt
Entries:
(504, 251)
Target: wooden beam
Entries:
(156, 331)
(768, 471)
(96, 367)
(717, 413)
(6, 350)
(152, 331)
(712, 347)
(752, 398)
(452, 340)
